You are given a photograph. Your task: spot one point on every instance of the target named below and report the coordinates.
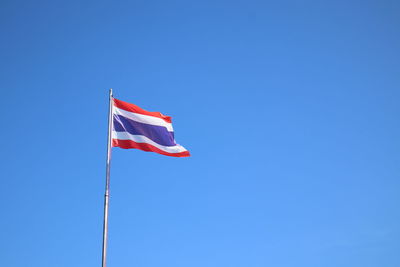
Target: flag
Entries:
(134, 127)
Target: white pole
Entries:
(107, 191)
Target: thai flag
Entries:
(134, 127)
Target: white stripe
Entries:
(143, 118)
(144, 139)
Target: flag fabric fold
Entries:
(134, 127)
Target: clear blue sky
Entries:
(289, 108)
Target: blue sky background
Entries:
(289, 108)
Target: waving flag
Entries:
(134, 127)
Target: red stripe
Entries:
(133, 108)
(146, 147)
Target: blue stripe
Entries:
(158, 134)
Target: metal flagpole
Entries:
(107, 191)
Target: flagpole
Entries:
(107, 190)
